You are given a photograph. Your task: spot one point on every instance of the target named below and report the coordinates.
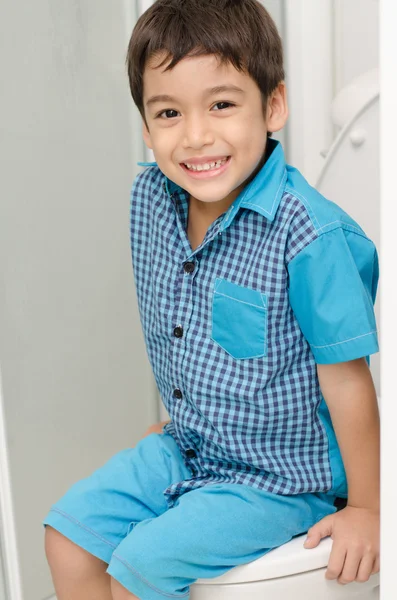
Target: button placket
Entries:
(182, 315)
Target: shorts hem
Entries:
(80, 534)
(135, 583)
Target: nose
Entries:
(197, 133)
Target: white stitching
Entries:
(345, 341)
(304, 199)
(79, 524)
(243, 357)
(359, 231)
(130, 568)
(247, 204)
(320, 229)
(242, 301)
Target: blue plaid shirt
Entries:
(284, 279)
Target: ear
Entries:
(146, 135)
(277, 108)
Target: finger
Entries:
(376, 567)
(365, 568)
(321, 530)
(336, 561)
(350, 568)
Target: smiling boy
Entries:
(233, 132)
(256, 301)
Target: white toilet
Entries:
(287, 573)
(350, 171)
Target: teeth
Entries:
(206, 166)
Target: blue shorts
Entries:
(120, 515)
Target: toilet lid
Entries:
(289, 559)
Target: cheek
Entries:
(249, 134)
(251, 148)
(163, 141)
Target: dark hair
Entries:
(240, 32)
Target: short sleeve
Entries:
(332, 289)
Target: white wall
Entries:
(76, 379)
(327, 43)
(356, 39)
(309, 66)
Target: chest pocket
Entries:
(239, 320)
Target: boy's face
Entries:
(199, 125)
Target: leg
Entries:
(119, 592)
(77, 575)
(208, 531)
(88, 523)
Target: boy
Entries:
(256, 301)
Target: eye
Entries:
(223, 103)
(168, 110)
(170, 113)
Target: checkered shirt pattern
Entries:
(250, 421)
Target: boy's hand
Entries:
(355, 548)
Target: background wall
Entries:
(77, 385)
(356, 39)
(328, 44)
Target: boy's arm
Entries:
(350, 395)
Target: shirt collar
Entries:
(263, 194)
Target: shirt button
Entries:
(189, 267)
(177, 393)
(191, 453)
(178, 331)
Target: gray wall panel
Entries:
(76, 379)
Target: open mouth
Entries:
(207, 169)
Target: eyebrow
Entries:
(219, 89)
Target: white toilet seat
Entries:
(290, 559)
(288, 572)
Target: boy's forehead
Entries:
(201, 71)
(162, 56)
